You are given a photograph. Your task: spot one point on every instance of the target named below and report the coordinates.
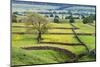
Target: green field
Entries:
(37, 57)
(84, 28)
(26, 57)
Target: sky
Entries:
(18, 5)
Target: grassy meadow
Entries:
(27, 57)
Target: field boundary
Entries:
(61, 43)
(89, 34)
(49, 28)
(80, 40)
(65, 51)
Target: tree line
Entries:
(85, 19)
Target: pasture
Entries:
(60, 36)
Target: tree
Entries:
(51, 15)
(82, 16)
(14, 18)
(56, 19)
(56, 16)
(94, 17)
(39, 23)
(91, 19)
(69, 12)
(62, 16)
(66, 17)
(85, 20)
(15, 13)
(71, 20)
(54, 12)
(88, 19)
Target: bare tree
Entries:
(39, 23)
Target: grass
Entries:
(16, 29)
(21, 56)
(84, 28)
(22, 40)
(18, 24)
(87, 58)
(30, 40)
(65, 25)
(94, 23)
(19, 29)
(60, 31)
(60, 38)
(24, 57)
(50, 30)
(89, 41)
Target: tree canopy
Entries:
(38, 22)
(14, 17)
(56, 19)
(89, 19)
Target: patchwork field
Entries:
(60, 40)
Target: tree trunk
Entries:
(39, 37)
